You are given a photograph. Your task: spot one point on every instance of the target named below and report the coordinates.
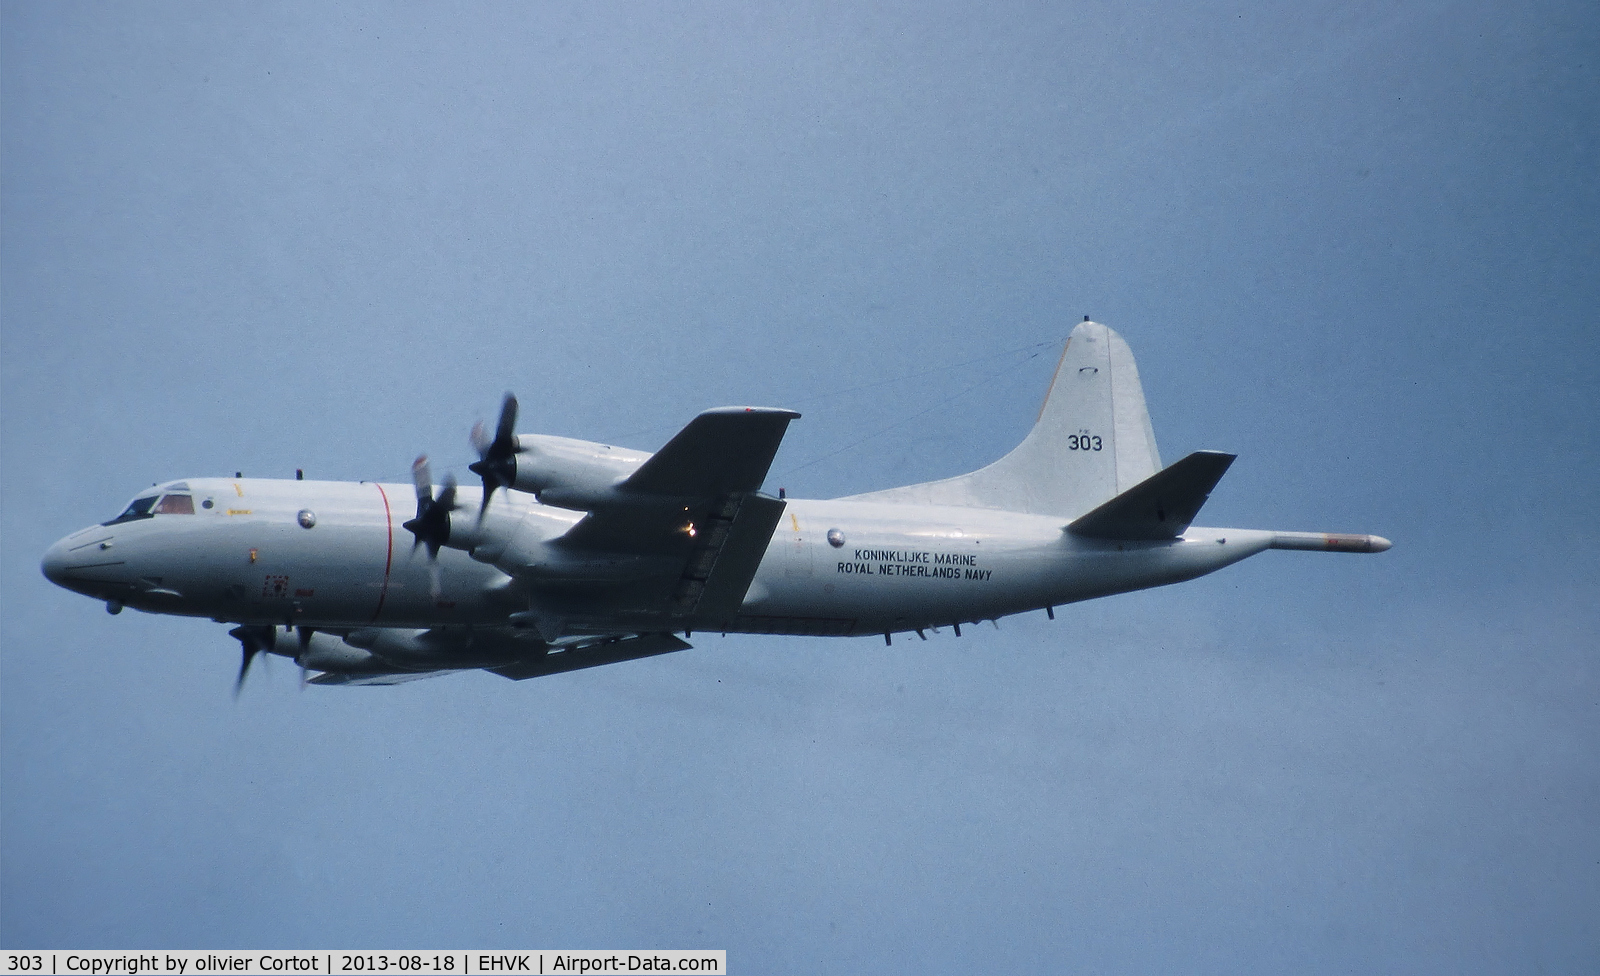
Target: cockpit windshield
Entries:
(175, 505)
(149, 506)
(139, 508)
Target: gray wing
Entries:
(693, 510)
(568, 654)
(591, 654)
(397, 678)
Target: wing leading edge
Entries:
(722, 451)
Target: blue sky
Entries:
(1354, 244)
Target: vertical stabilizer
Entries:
(1092, 441)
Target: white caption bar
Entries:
(323, 962)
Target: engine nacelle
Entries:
(573, 474)
(484, 536)
(326, 652)
(533, 551)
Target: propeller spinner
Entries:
(432, 524)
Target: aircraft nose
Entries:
(55, 562)
(89, 551)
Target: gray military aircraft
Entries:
(574, 554)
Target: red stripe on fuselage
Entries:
(388, 558)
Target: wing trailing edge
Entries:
(733, 538)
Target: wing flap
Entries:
(1159, 507)
(718, 574)
(691, 517)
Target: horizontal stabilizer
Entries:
(1159, 507)
(579, 656)
(722, 451)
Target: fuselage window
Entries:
(176, 505)
(137, 509)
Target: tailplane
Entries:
(1159, 507)
(1092, 441)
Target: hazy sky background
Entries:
(1357, 244)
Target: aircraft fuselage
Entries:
(334, 556)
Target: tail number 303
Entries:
(1083, 441)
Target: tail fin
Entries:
(1092, 440)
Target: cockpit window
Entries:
(139, 508)
(175, 505)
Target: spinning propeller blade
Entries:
(497, 458)
(432, 524)
(252, 641)
(300, 658)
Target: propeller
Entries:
(497, 458)
(432, 524)
(252, 641)
(300, 659)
